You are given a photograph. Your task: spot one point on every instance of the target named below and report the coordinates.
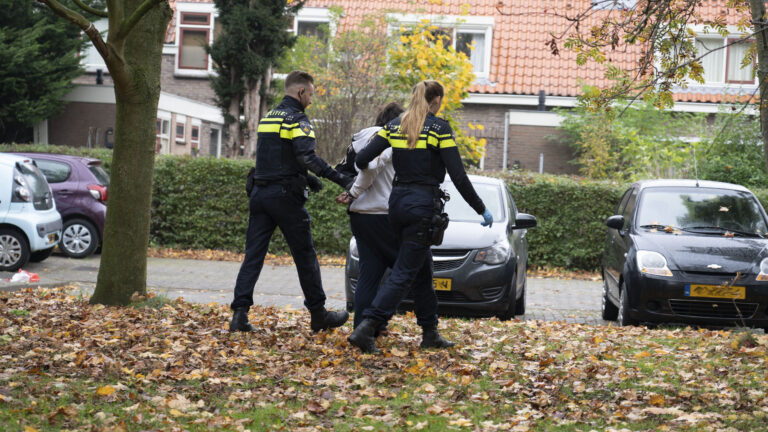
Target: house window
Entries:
(162, 135)
(613, 4)
(199, 19)
(192, 53)
(180, 137)
(195, 134)
(312, 22)
(472, 43)
(722, 63)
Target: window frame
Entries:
(194, 128)
(728, 41)
(182, 15)
(183, 138)
(181, 43)
(198, 9)
(718, 42)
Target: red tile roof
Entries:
(521, 61)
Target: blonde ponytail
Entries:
(413, 118)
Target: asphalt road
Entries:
(213, 282)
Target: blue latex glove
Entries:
(487, 219)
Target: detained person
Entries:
(285, 151)
(377, 244)
(423, 148)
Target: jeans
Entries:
(275, 206)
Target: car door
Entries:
(612, 261)
(621, 241)
(61, 178)
(519, 242)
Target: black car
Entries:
(478, 271)
(686, 252)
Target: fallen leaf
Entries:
(105, 391)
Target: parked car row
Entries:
(50, 200)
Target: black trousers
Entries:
(377, 249)
(275, 206)
(408, 206)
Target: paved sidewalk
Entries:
(213, 282)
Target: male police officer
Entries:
(285, 150)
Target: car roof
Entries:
(481, 179)
(57, 156)
(10, 158)
(644, 184)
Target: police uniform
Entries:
(418, 173)
(285, 151)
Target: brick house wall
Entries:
(72, 126)
(198, 89)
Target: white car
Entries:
(30, 226)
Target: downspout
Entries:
(506, 141)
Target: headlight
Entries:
(496, 254)
(654, 263)
(353, 248)
(763, 275)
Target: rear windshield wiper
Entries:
(698, 228)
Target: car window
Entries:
(512, 206)
(623, 201)
(458, 209)
(100, 174)
(54, 172)
(629, 208)
(695, 208)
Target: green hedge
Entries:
(199, 203)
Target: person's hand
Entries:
(314, 183)
(487, 219)
(344, 198)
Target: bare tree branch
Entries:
(91, 10)
(138, 14)
(82, 22)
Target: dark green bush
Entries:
(200, 203)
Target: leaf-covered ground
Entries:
(65, 364)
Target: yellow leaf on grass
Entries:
(176, 413)
(105, 391)
(642, 354)
(657, 400)
(29, 429)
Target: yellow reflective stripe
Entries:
(384, 133)
(447, 143)
(401, 141)
(297, 133)
(265, 127)
(290, 126)
(286, 134)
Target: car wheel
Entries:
(350, 307)
(609, 310)
(14, 250)
(40, 255)
(509, 313)
(79, 238)
(520, 303)
(623, 318)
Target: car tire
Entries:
(623, 318)
(609, 310)
(509, 313)
(14, 250)
(40, 255)
(520, 303)
(79, 238)
(350, 307)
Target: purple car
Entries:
(79, 187)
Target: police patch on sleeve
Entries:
(305, 127)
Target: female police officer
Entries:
(423, 148)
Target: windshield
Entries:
(700, 210)
(458, 210)
(100, 174)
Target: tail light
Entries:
(98, 192)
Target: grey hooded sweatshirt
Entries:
(373, 184)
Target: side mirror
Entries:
(524, 221)
(615, 222)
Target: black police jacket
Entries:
(285, 147)
(426, 164)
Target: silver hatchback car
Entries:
(477, 271)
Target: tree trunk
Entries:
(759, 20)
(266, 85)
(251, 108)
(123, 268)
(234, 127)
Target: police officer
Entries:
(285, 150)
(423, 148)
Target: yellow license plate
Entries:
(442, 284)
(715, 291)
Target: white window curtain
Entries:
(476, 55)
(712, 61)
(193, 53)
(736, 54)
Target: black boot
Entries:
(323, 319)
(364, 336)
(240, 321)
(432, 339)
